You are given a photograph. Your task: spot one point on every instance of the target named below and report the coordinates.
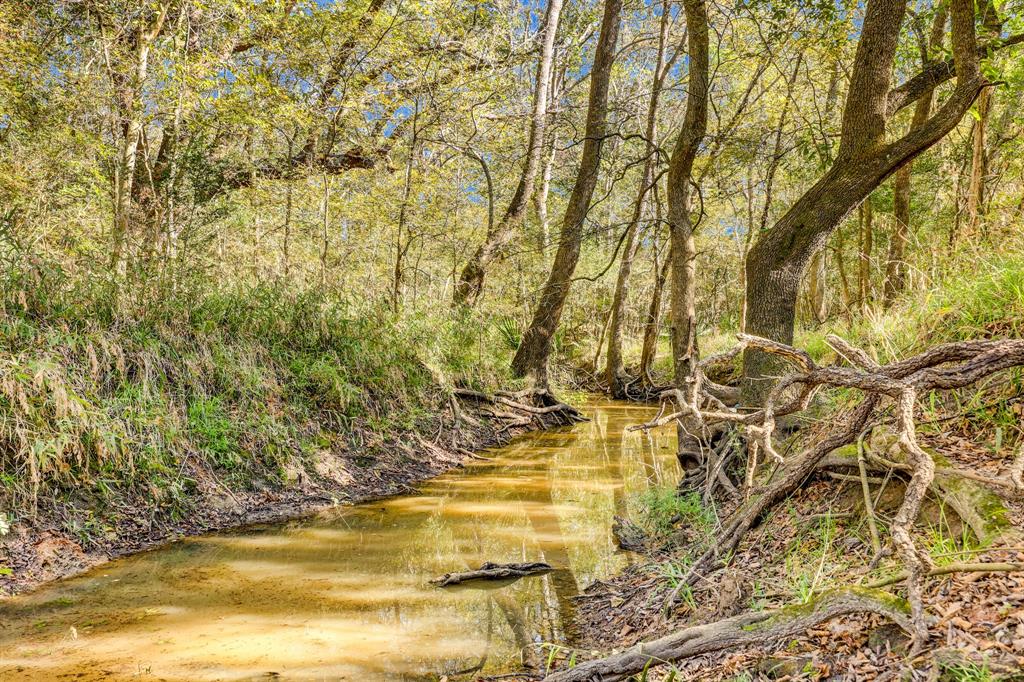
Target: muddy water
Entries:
(344, 595)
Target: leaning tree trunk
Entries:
(680, 220)
(471, 281)
(531, 360)
(615, 368)
(777, 262)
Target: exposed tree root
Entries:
(492, 571)
(974, 497)
(747, 629)
(947, 366)
(531, 407)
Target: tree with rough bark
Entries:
(531, 359)
(865, 158)
(681, 221)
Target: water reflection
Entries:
(344, 595)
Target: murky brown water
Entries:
(344, 595)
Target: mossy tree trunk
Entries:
(776, 263)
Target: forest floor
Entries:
(976, 618)
(45, 548)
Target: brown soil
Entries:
(977, 619)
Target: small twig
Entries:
(869, 508)
(992, 567)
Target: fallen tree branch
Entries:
(747, 629)
(990, 567)
(869, 507)
(492, 571)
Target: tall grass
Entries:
(980, 299)
(106, 393)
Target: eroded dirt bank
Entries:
(62, 541)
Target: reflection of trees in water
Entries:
(313, 568)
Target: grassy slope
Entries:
(113, 408)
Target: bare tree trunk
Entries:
(615, 368)
(325, 236)
(744, 248)
(777, 261)
(600, 340)
(127, 156)
(976, 186)
(286, 244)
(652, 326)
(471, 281)
(540, 199)
(844, 281)
(680, 218)
(867, 234)
(398, 274)
(979, 153)
(896, 264)
(531, 360)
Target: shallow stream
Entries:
(344, 594)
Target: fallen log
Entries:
(492, 571)
(747, 629)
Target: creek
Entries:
(344, 594)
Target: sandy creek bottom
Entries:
(344, 595)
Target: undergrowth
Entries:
(660, 510)
(106, 393)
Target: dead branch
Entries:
(748, 629)
(869, 507)
(983, 567)
(947, 366)
(492, 571)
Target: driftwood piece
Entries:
(492, 571)
(629, 536)
(747, 629)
